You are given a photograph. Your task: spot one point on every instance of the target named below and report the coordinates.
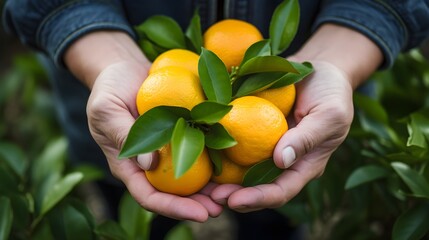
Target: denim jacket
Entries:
(52, 25)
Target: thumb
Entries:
(147, 161)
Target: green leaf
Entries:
(412, 224)
(111, 230)
(181, 231)
(193, 32)
(214, 77)
(152, 130)
(216, 158)
(218, 138)
(261, 173)
(209, 112)
(418, 130)
(365, 174)
(164, 31)
(150, 50)
(14, 157)
(255, 83)
(304, 70)
(187, 144)
(59, 191)
(415, 181)
(90, 172)
(9, 183)
(284, 25)
(261, 48)
(266, 64)
(372, 108)
(6, 218)
(134, 219)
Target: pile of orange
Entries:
(256, 122)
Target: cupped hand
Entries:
(321, 120)
(111, 112)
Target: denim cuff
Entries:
(377, 22)
(69, 22)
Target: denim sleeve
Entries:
(394, 25)
(51, 26)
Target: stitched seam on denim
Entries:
(50, 16)
(90, 27)
(396, 15)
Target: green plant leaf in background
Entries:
(218, 138)
(14, 157)
(261, 173)
(255, 82)
(284, 25)
(193, 33)
(418, 130)
(111, 230)
(364, 175)
(181, 231)
(209, 112)
(151, 50)
(415, 181)
(412, 224)
(187, 144)
(266, 64)
(59, 191)
(304, 70)
(261, 48)
(163, 31)
(152, 130)
(135, 220)
(214, 77)
(6, 218)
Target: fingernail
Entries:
(289, 156)
(144, 161)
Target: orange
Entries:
(282, 97)
(257, 125)
(231, 173)
(176, 57)
(171, 86)
(229, 40)
(162, 177)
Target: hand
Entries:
(323, 114)
(111, 111)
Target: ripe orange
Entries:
(257, 125)
(229, 40)
(171, 86)
(282, 97)
(231, 173)
(176, 57)
(162, 178)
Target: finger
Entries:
(222, 192)
(148, 161)
(203, 197)
(181, 208)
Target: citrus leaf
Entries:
(14, 157)
(181, 231)
(135, 220)
(187, 144)
(193, 32)
(59, 191)
(412, 224)
(415, 181)
(152, 130)
(6, 217)
(304, 70)
(255, 83)
(209, 112)
(261, 173)
(163, 30)
(150, 50)
(110, 230)
(284, 25)
(418, 130)
(218, 138)
(365, 174)
(266, 64)
(261, 48)
(216, 159)
(214, 77)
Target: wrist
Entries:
(90, 55)
(348, 50)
